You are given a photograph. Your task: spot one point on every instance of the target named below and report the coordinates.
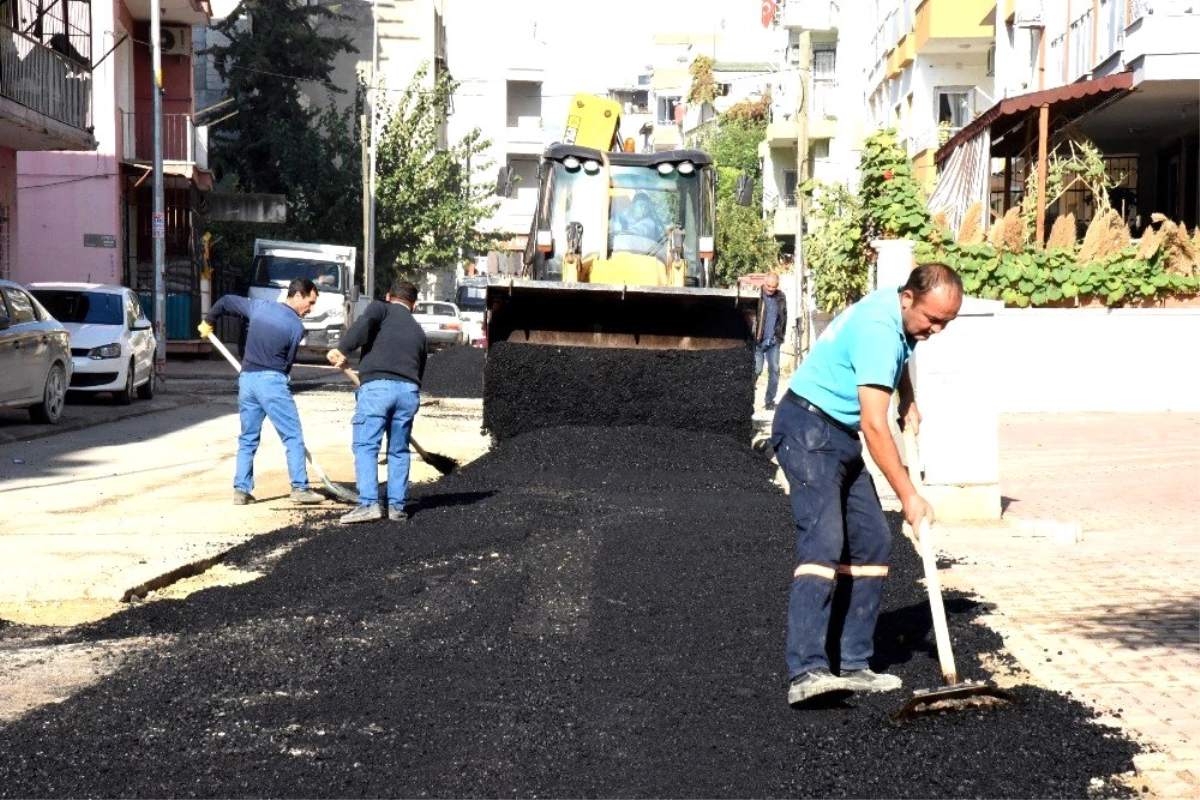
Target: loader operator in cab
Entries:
(842, 387)
(639, 220)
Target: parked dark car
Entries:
(35, 356)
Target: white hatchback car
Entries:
(112, 342)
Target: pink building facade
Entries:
(86, 216)
(45, 99)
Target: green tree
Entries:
(428, 209)
(744, 243)
(277, 143)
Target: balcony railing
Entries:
(43, 80)
(182, 141)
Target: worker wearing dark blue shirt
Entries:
(272, 340)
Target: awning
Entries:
(1065, 101)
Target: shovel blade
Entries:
(956, 697)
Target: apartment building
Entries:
(50, 60)
(1123, 74)
(88, 217)
(817, 123)
(929, 71)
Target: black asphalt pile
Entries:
(537, 386)
(455, 372)
(582, 612)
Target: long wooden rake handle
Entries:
(933, 583)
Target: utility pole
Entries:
(159, 219)
(373, 98)
(804, 74)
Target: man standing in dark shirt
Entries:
(391, 368)
(769, 331)
(272, 340)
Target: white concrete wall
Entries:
(1067, 360)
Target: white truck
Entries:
(331, 267)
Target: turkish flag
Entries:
(769, 7)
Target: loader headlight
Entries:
(591, 167)
(107, 351)
(666, 168)
(571, 163)
(686, 168)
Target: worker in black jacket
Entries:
(770, 328)
(391, 368)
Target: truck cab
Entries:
(471, 298)
(331, 267)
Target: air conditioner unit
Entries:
(1028, 14)
(175, 40)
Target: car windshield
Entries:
(282, 270)
(90, 308)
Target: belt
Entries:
(800, 401)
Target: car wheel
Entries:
(54, 397)
(146, 390)
(125, 396)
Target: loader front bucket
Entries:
(596, 315)
(575, 354)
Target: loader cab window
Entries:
(641, 207)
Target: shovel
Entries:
(955, 694)
(341, 492)
(443, 464)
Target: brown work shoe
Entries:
(241, 498)
(306, 497)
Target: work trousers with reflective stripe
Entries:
(841, 534)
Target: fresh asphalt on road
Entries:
(580, 612)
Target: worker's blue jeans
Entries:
(841, 534)
(770, 356)
(384, 406)
(265, 395)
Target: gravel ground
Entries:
(580, 612)
(698, 390)
(455, 372)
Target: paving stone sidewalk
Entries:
(1113, 617)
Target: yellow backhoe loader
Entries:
(621, 250)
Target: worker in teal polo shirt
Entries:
(844, 386)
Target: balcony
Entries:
(945, 25)
(182, 141)
(1161, 39)
(783, 220)
(45, 97)
(525, 137)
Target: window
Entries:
(20, 306)
(524, 104)
(789, 187)
(824, 64)
(819, 148)
(524, 172)
(133, 310)
(954, 107)
(666, 110)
